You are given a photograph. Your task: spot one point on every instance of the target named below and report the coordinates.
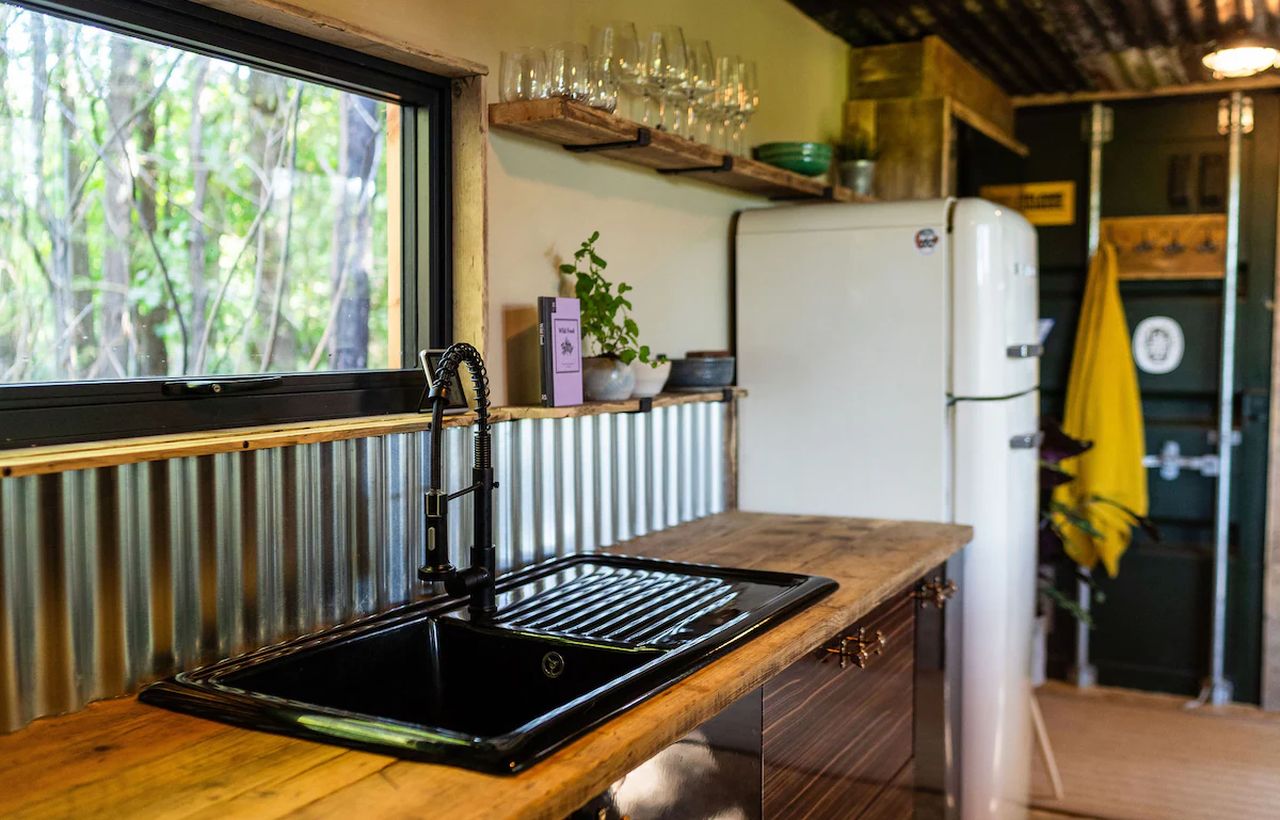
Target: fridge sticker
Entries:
(1158, 345)
(926, 240)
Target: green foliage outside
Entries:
(164, 213)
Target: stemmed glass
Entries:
(727, 99)
(700, 86)
(664, 69)
(748, 102)
(614, 63)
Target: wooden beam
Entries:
(470, 213)
(1263, 83)
(985, 126)
(913, 136)
(299, 19)
(932, 70)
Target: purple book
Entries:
(560, 335)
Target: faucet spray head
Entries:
(437, 567)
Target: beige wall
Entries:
(668, 238)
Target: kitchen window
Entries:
(205, 222)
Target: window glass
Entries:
(165, 213)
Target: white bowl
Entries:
(649, 380)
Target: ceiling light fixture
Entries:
(1242, 54)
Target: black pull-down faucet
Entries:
(477, 580)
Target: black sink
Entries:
(575, 641)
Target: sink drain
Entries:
(552, 665)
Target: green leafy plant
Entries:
(1056, 517)
(605, 318)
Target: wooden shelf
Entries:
(62, 457)
(595, 408)
(580, 128)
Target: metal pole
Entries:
(1084, 673)
(1218, 690)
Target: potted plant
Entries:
(858, 164)
(1055, 519)
(606, 325)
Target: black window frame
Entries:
(33, 414)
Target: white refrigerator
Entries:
(891, 351)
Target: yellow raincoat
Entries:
(1103, 406)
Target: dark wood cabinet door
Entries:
(898, 800)
(835, 738)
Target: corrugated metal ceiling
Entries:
(1045, 46)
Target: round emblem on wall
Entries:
(1158, 345)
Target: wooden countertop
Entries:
(122, 758)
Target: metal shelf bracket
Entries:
(643, 138)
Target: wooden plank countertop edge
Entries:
(59, 458)
(123, 758)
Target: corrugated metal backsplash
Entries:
(113, 577)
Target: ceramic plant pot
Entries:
(860, 175)
(649, 380)
(697, 373)
(605, 379)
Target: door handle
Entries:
(935, 592)
(220, 387)
(857, 649)
(1026, 441)
(1024, 351)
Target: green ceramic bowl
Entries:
(808, 166)
(808, 158)
(774, 150)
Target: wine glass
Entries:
(676, 80)
(614, 65)
(748, 102)
(727, 98)
(664, 69)
(699, 89)
(567, 71)
(523, 75)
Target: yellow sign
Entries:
(1042, 203)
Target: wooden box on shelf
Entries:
(580, 128)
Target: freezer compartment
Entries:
(995, 301)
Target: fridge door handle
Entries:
(1026, 441)
(1025, 351)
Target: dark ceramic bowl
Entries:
(700, 373)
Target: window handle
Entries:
(220, 387)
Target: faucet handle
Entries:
(438, 567)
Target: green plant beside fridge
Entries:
(1056, 518)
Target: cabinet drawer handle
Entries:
(935, 592)
(857, 649)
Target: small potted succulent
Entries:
(858, 164)
(610, 375)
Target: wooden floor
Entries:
(1135, 755)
